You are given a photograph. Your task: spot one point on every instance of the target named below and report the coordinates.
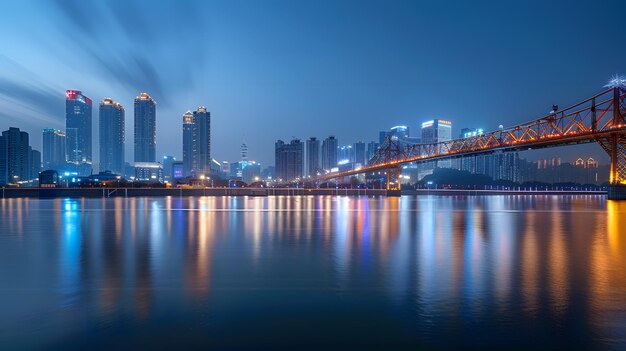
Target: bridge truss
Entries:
(600, 118)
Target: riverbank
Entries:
(180, 192)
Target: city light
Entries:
(616, 82)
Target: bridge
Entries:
(598, 119)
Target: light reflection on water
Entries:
(249, 272)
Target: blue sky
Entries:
(278, 69)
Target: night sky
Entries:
(279, 69)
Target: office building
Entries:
(312, 157)
(112, 136)
(145, 128)
(54, 155)
(289, 160)
(251, 172)
(78, 130)
(399, 131)
(329, 153)
(190, 154)
(148, 172)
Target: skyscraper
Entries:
(78, 130)
(189, 145)
(289, 159)
(312, 156)
(112, 136)
(54, 156)
(202, 124)
(145, 128)
(197, 142)
(34, 159)
(359, 153)
(329, 153)
(15, 157)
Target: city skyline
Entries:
(242, 90)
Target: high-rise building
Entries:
(15, 157)
(54, 156)
(168, 168)
(399, 131)
(312, 156)
(78, 130)
(372, 147)
(329, 153)
(34, 159)
(244, 152)
(112, 136)
(190, 154)
(145, 128)
(289, 159)
(359, 153)
(197, 142)
(251, 172)
(436, 131)
(468, 163)
(382, 135)
(202, 124)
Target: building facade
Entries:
(54, 154)
(329, 153)
(145, 128)
(197, 142)
(359, 155)
(148, 172)
(190, 162)
(168, 168)
(435, 131)
(78, 121)
(202, 125)
(112, 136)
(312, 157)
(289, 160)
(18, 161)
(372, 147)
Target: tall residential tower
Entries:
(112, 136)
(78, 130)
(145, 128)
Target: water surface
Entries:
(313, 272)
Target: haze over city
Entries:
(276, 69)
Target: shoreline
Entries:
(51, 193)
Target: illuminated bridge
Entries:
(599, 119)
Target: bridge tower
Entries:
(615, 145)
(393, 180)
